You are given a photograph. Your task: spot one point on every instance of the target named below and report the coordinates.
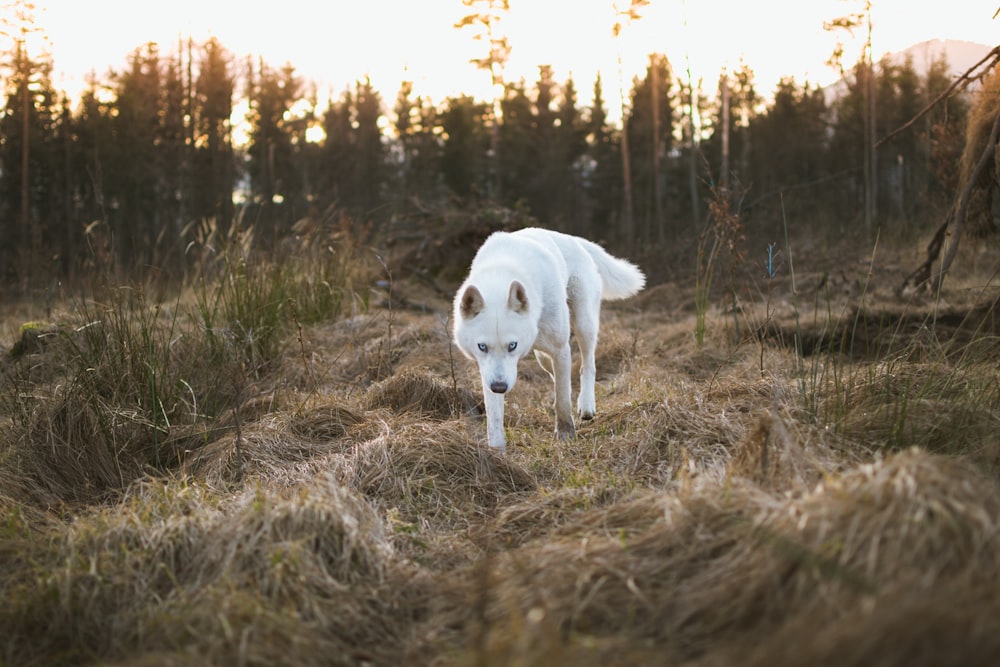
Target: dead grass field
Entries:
(736, 503)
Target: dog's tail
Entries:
(621, 278)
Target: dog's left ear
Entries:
(472, 302)
(517, 298)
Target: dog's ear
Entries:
(517, 298)
(472, 303)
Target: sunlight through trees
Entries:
(189, 133)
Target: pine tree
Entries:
(570, 146)
(420, 149)
(30, 115)
(464, 153)
(485, 19)
(132, 168)
(650, 139)
(370, 154)
(517, 149)
(173, 166)
(213, 168)
(602, 173)
(790, 142)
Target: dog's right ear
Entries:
(472, 303)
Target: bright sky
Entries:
(336, 43)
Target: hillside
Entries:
(815, 484)
(960, 56)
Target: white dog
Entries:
(523, 291)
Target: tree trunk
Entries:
(693, 156)
(627, 180)
(661, 231)
(724, 168)
(27, 238)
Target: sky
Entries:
(339, 42)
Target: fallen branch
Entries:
(963, 203)
(921, 276)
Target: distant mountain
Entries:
(959, 54)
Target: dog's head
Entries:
(496, 329)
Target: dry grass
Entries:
(732, 503)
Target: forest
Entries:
(126, 176)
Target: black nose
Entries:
(498, 387)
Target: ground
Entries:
(816, 483)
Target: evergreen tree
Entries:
(570, 146)
(133, 213)
(31, 164)
(941, 135)
(92, 161)
(213, 168)
(420, 148)
(354, 155)
(337, 153)
(790, 147)
(370, 164)
(650, 140)
(898, 101)
(64, 228)
(464, 153)
(848, 147)
(519, 154)
(485, 18)
(744, 107)
(602, 172)
(173, 168)
(275, 176)
(541, 186)
(49, 158)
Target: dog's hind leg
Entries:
(585, 327)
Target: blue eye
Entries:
(512, 346)
(482, 347)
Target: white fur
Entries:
(523, 292)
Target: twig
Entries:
(451, 352)
(302, 345)
(923, 272)
(378, 370)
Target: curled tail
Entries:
(621, 278)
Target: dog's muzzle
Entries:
(498, 387)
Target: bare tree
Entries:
(485, 17)
(24, 69)
(849, 23)
(624, 17)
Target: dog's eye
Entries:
(512, 346)
(482, 347)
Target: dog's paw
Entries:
(565, 429)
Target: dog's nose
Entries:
(498, 387)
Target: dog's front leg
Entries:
(494, 418)
(563, 367)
